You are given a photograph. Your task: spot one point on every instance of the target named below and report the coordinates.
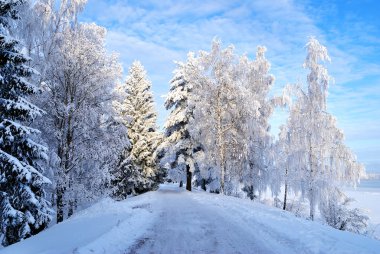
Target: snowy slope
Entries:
(175, 221)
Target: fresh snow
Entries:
(172, 220)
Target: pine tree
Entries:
(23, 208)
(179, 147)
(137, 171)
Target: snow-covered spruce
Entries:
(23, 208)
(178, 148)
(137, 171)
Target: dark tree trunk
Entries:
(189, 176)
(285, 195)
(60, 205)
(286, 188)
(180, 184)
(203, 186)
(72, 206)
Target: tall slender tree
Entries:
(23, 208)
(315, 146)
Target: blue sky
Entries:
(159, 32)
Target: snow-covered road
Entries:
(186, 225)
(172, 220)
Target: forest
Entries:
(73, 131)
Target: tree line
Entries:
(71, 132)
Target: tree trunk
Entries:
(220, 143)
(286, 188)
(312, 205)
(60, 205)
(285, 195)
(72, 206)
(189, 176)
(203, 186)
(180, 184)
(311, 178)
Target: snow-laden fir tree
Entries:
(178, 147)
(23, 208)
(318, 160)
(137, 171)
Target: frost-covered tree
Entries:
(79, 85)
(77, 79)
(178, 147)
(315, 146)
(231, 118)
(23, 208)
(220, 115)
(336, 211)
(258, 83)
(137, 171)
(282, 172)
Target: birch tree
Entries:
(317, 151)
(78, 89)
(219, 113)
(77, 79)
(258, 83)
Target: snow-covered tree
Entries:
(315, 146)
(24, 210)
(336, 211)
(231, 118)
(220, 115)
(178, 147)
(258, 83)
(77, 79)
(79, 85)
(137, 171)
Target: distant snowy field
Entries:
(367, 196)
(172, 220)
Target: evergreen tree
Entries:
(137, 171)
(23, 208)
(178, 146)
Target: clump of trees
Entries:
(63, 88)
(219, 127)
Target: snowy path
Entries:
(185, 225)
(209, 223)
(171, 220)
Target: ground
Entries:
(172, 220)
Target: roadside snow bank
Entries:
(107, 227)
